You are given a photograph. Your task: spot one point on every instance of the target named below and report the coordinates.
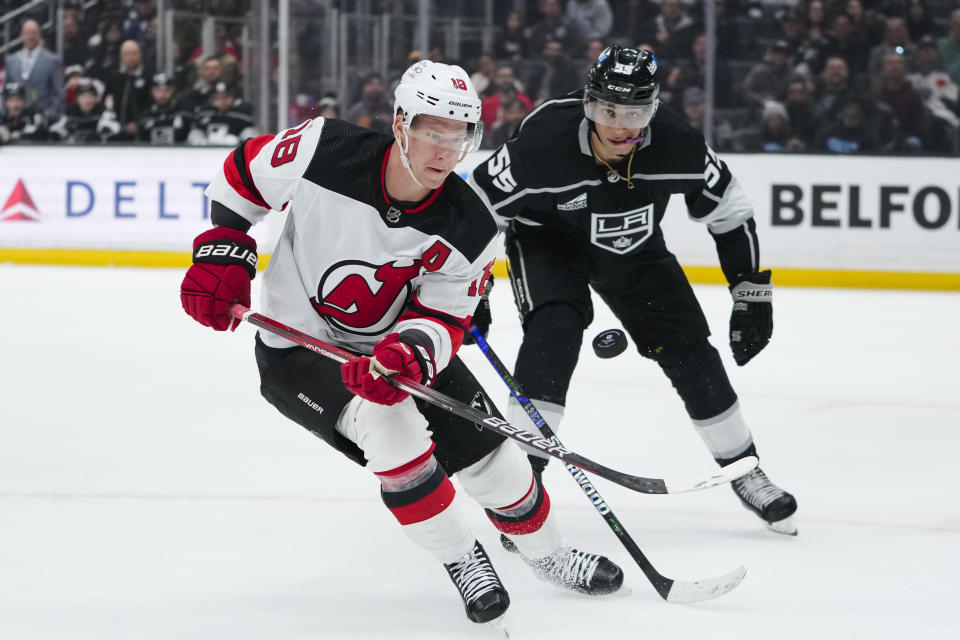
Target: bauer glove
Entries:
(751, 323)
(365, 376)
(224, 263)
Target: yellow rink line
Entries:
(701, 275)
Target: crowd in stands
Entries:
(104, 86)
(824, 76)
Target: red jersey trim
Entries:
(250, 150)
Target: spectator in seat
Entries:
(896, 36)
(905, 101)
(768, 80)
(936, 87)
(671, 32)
(512, 39)
(38, 71)
(553, 75)
(211, 74)
(799, 107)
(949, 47)
(130, 88)
(505, 90)
(482, 78)
(833, 90)
(105, 50)
(513, 114)
(593, 19)
(849, 132)
(694, 107)
(372, 102)
(553, 26)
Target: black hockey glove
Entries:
(481, 317)
(751, 323)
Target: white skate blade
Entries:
(499, 626)
(785, 527)
(730, 472)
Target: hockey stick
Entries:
(669, 589)
(550, 447)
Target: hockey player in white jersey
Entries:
(386, 252)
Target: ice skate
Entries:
(572, 569)
(771, 503)
(484, 596)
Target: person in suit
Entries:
(38, 71)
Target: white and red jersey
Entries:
(351, 265)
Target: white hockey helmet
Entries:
(442, 90)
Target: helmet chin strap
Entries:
(405, 161)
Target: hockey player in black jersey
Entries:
(225, 120)
(86, 121)
(165, 121)
(589, 217)
(385, 252)
(18, 121)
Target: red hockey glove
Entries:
(751, 322)
(224, 263)
(365, 376)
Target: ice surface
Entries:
(148, 492)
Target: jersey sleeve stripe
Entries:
(236, 168)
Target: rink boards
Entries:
(822, 220)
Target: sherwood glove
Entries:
(751, 323)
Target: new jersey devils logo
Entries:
(367, 299)
(364, 298)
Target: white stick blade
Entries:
(730, 472)
(701, 590)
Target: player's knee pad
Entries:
(389, 436)
(501, 478)
(552, 336)
(696, 372)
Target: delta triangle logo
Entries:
(19, 206)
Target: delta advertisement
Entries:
(816, 213)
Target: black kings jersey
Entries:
(350, 265)
(547, 175)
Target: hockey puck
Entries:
(610, 343)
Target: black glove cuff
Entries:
(222, 245)
(419, 343)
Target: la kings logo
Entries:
(622, 232)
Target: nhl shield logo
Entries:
(393, 214)
(622, 232)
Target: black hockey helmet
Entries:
(14, 89)
(86, 86)
(624, 76)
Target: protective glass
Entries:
(461, 143)
(620, 116)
